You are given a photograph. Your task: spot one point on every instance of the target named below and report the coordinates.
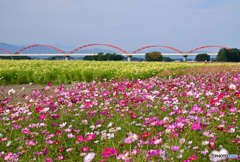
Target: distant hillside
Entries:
(9, 47)
(14, 48)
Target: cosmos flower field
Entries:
(176, 118)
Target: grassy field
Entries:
(183, 112)
(58, 72)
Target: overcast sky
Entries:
(128, 24)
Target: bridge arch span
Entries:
(97, 44)
(8, 52)
(142, 48)
(35, 45)
(210, 46)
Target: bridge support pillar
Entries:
(185, 58)
(129, 58)
(67, 58)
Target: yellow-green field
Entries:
(42, 71)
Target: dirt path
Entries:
(26, 89)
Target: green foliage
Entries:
(104, 57)
(167, 59)
(228, 55)
(202, 57)
(153, 56)
(15, 57)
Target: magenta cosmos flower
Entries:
(197, 126)
(175, 148)
(109, 152)
(90, 137)
(41, 117)
(48, 159)
(80, 138)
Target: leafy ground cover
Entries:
(58, 72)
(178, 117)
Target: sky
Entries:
(128, 24)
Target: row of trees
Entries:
(156, 56)
(224, 55)
(102, 57)
(15, 57)
(228, 55)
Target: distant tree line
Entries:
(104, 57)
(202, 57)
(15, 57)
(156, 56)
(224, 55)
(228, 55)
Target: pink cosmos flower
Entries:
(193, 158)
(80, 138)
(4, 139)
(69, 149)
(60, 157)
(132, 137)
(109, 152)
(197, 126)
(60, 150)
(48, 159)
(84, 149)
(38, 109)
(175, 148)
(31, 143)
(174, 135)
(157, 141)
(50, 84)
(90, 137)
(45, 152)
(6, 158)
(41, 117)
(70, 135)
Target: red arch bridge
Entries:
(93, 49)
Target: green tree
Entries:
(87, 58)
(104, 57)
(235, 54)
(153, 56)
(222, 55)
(228, 55)
(202, 57)
(167, 59)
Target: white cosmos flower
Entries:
(110, 124)
(205, 143)
(182, 140)
(11, 91)
(232, 130)
(63, 124)
(168, 130)
(232, 86)
(89, 157)
(8, 144)
(110, 135)
(92, 127)
(85, 122)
